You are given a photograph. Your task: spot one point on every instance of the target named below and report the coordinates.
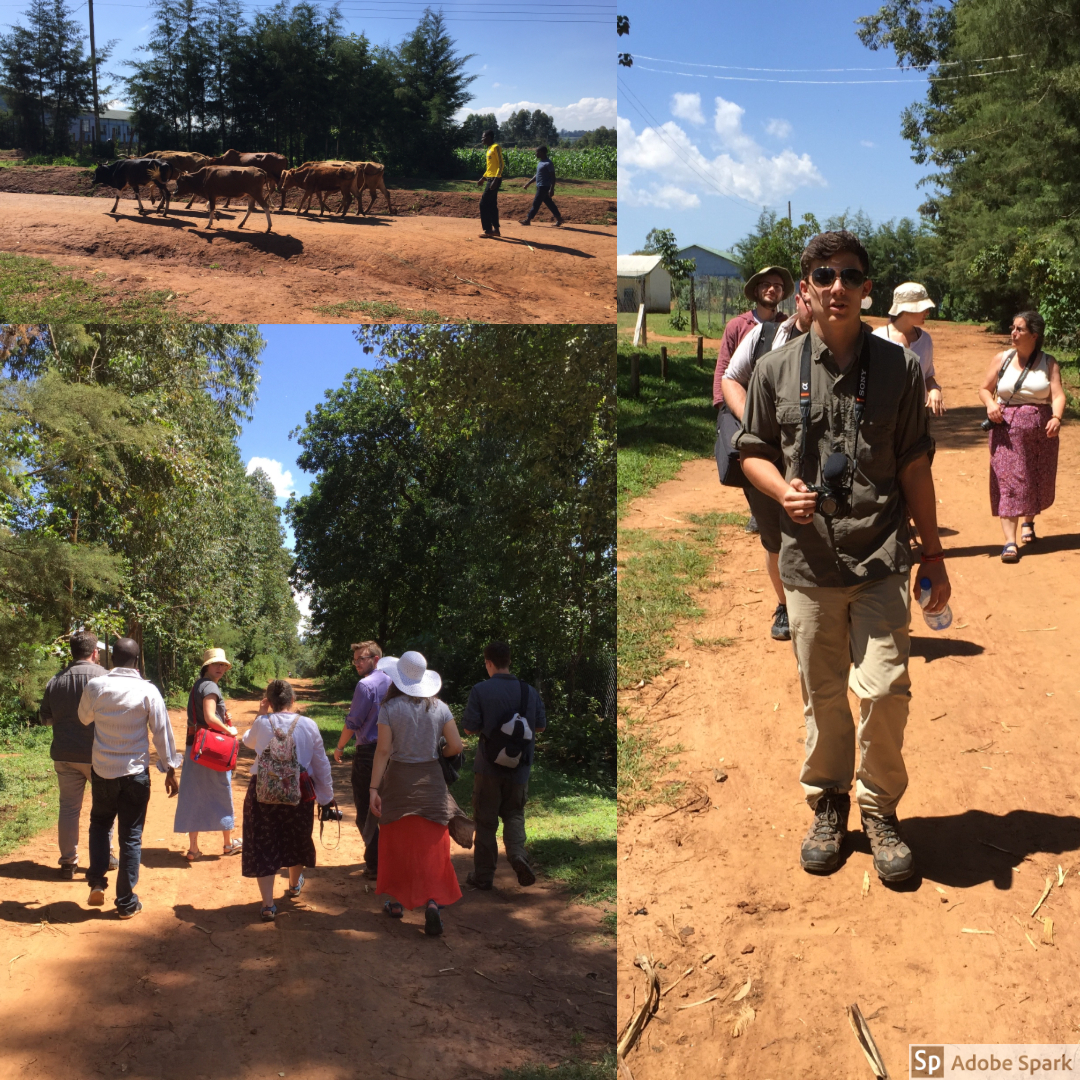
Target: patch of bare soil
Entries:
(196, 986)
(433, 263)
(954, 954)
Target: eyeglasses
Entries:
(366, 656)
(826, 275)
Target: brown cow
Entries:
(183, 162)
(271, 164)
(318, 177)
(213, 182)
(370, 177)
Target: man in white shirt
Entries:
(123, 706)
(766, 510)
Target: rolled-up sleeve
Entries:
(362, 701)
(162, 731)
(913, 438)
(319, 769)
(760, 435)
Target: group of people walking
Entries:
(824, 423)
(409, 751)
(495, 172)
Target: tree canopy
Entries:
(464, 492)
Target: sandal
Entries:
(432, 920)
(193, 854)
(234, 847)
(393, 909)
(1027, 532)
(268, 913)
(1010, 553)
(295, 890)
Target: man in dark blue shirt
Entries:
(545, 187)
(499, 791)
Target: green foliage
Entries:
(601, 136)
(1003, 136)
(662, 242)
(595, 163)
(28, 792)
(464, 493)
(530, 129)
(643, 763)
(605, 1069)
(475, 124)
(775, 241)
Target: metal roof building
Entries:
(642, 280)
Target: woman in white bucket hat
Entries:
(911, 302)
(417, 814)
(205, 803)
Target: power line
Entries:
(643, 112)
(828, 82)
(793, 71)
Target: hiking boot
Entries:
(114, 862)
(893, 860)
(781, 629)
(820, 852)
(524, 221)
(524, 872)
(131, 912)
(470, 879)
(751, 525)
(67, 871)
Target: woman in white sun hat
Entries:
(417, 814)
(911, 302)
(205, 803)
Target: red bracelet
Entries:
(939, 557)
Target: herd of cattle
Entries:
(234, 175)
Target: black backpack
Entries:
(505, 747)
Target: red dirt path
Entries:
(435, 263)
(197, 987)
(991, 811)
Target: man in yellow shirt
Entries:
(489, 201)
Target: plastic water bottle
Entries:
(940, 620)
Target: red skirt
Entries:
(414, 862)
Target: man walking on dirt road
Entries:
(362, 720)
(847, 486)
(72, 744)
(500, 791)
(492, 180)
(122, 706)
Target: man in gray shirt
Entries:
(72, 744)
(122, 706)
(499, 791)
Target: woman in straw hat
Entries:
(417, 814)
(911, 302)
(205, 803)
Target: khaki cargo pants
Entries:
(855, 637)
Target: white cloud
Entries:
(303, 602)
(680, 170)
(664, 196)
(778, 129)
(864, 142)
(584, 115)
(687, 107)
(279, 477)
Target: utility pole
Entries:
(93, 72)
(788, 204)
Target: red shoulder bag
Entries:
(215, 750)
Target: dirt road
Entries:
(421, 263)
(197, 986)
(991, 811)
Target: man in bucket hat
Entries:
(499, 791)
(766, 290)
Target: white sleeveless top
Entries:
(922, 347)
(1036, 388)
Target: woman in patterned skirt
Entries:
(1025, 404)
(278, 834)
(417, 814)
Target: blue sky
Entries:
(299, 364)
(827, 148)
(556, 56)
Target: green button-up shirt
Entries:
(868, 538)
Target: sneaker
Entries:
(524, 221)
(524, 872)
(97, 896)
(559, 223)
(68, 871)
(820, 853)
(751, 525)
(133, 912)
(781, 629)
(893, 860)
(432, 920)
(114, 863)
(470, 879)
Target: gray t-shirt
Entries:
(415, 725)
(492, 703)
(72, 740)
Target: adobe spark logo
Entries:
(927, 1062)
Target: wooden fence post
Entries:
(693, 308)
(635, 375)
(663, 362)
(700, 348)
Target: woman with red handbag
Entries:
(205, 803)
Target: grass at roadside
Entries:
(658, 323)
(34, 290)
(567, 1070)
(380, 311)
(570, 822)
(594, 189)
(668, 423)
(28, 792)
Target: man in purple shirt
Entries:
(362, 720)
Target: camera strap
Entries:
(804, 398)
(1023, 374)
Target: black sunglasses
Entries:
(826, 275)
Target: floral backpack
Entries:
(278, 778)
